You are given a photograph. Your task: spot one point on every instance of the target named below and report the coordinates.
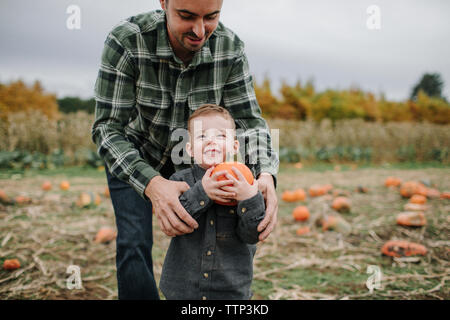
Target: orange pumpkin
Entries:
(400, 248)
(46, 186)
(433, 193)
(105, 235)
(300, 195)
(317, 190)
(288, 196)
(418, 199)
(64, 185)
(301, 213)
(341, 204)
(86, 199)
(21, 200)
(335, 223)
(106, 192)
(392, 182)
(411, 219)
(4, 198)
(415, 207)
(11, 264)
(302, 231)
(226, 166)
(445, 195)
(410, 188)
(327, 187)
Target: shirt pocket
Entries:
(153, 102)
(226, 223)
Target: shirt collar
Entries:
(199, 172)
(164, 49)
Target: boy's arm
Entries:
(194, 200)
(250, 213)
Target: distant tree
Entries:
(431, 84)
(74, 104)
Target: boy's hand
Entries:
(241, 187)
(213, 188)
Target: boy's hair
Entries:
(208, 109)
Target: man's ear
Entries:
(189, 149)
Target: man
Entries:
(156, 69)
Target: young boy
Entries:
(216, 260)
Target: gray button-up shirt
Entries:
(216, 260)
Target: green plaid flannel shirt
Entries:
(144, 93)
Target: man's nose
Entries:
(199, 29)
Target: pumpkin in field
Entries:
(392, 182)
(411, 219)
(289, 196)
(445, 195)
(327, 187)
(433, 193)
(64, 185)
(341, 204)
(336, 223)
(362, 189)
(418, 199)
(410, 188)
(11, 264)
(302, 231)
(317, 190)
(4, 198)
(46, 186)
(301, 213)
(105, 235)
(400, 248)
(106, 192)
(415, 207)
(227, 166)
(300, 195)
(87, 199)
(22, 200)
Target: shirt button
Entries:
(209, 253)
(211, 222)
(202, 203)
(243, 210)
(205, 275)
(203, 298)
(231, 211)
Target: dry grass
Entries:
(50, 234)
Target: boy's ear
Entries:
(236, 146)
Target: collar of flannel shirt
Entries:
(164, 49)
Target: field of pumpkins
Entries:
(333, 225)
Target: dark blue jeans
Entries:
(134, 242)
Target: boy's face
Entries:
(211, 138)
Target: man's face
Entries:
(190, 23)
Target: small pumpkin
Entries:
(46, 186)
(433, 193)
(411, 219)
(300, 195)
(400, 248)
(11, 264)
(106, 192)
(64, 185)
(362, 189)
(317, 190)
(418, 199)
(4, 198)
(341, 204)
(445, 195)
(302, 231)
(22, 200)
(227, 166)
(415, 207)
(105, 235)
(301, 213)
(392, 182)
(86, 199)
(288, 196)
(410, 188)
(336, 223)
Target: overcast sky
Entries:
(324, 40)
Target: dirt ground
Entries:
(51, 233)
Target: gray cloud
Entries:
(290, 39)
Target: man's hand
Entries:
(267, 188)
(173, 218)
